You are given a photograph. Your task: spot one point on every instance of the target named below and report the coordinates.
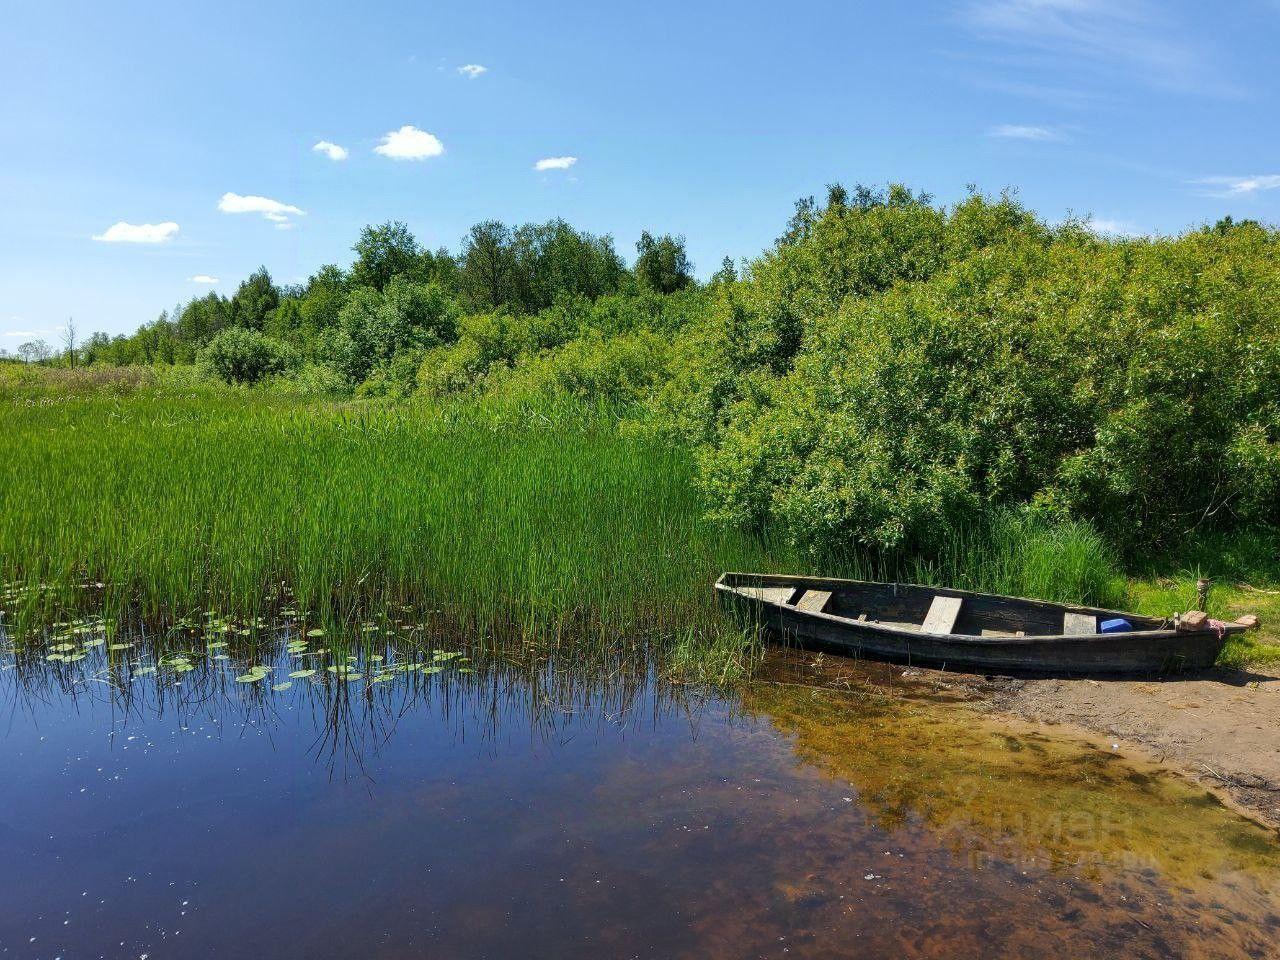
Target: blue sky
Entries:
(192, 126)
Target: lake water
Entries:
(456, 809)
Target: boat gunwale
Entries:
(871, 625)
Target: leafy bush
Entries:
(374, 325)
(1132, 384)
(615, 371)
(240, 355)
(491, 345)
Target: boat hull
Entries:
(1151, 651)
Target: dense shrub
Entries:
(240, 355)
(1135, 384)
(374, 325)
(491, 345)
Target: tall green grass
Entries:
(181, 503)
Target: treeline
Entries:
(885, 374)
(396, 296)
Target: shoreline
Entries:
(1215, 728)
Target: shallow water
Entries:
(522, 811)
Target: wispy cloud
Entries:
(1239, 186)
(555, 163)
(1136, 36)
(331, 150)
(203, 278)
(273, 210)
(28, 334)
(123, 232)
(1116, 229)
(409, 143)
(472, 70)
(1016, 131)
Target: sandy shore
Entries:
(1220, 727)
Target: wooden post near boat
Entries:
(1202, 594)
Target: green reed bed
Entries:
(178, 503)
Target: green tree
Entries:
(662, 264)
(202, 318)
(554, 260)
(439, 267)
(256, 297)
(726, 275)
(383, 252)
(488, 274)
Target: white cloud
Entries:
(1240, 186)
(1016, 131)
(1121, 229)
(472, 70)
(273, 210)
(138, 232)
(203, 278)
(331, 150)
(409, 143)
(555, 163)
(29, 334)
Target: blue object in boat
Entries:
(1118, 625)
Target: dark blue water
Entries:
(526, 812)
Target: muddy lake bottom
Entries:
(537, 813)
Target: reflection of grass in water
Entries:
(356, 684)
(994, 794)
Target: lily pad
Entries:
(301, 674)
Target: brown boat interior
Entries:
(926, 610)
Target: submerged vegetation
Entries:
(537, 441)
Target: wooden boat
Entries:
(971, 631)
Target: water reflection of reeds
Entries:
(360, 688)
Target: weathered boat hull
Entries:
(1141, 651)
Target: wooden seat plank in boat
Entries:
(815, 601)
(771, 594)
(942, 615)
(1079, 624)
